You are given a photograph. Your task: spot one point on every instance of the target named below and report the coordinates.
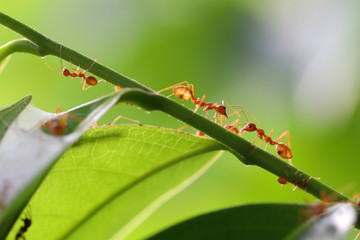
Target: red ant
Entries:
(296, 182)
(91, 80)
(187, 93)
(27, 223)
(282, 149)
(57, 127)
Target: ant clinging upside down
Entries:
(90, 80)
(282, 149)
(187, 93)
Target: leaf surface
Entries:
(27, 152)
(256, 221)
(113, 178)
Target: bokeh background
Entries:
(293, 64)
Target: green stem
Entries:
(19, 45)
(47, 46)
(231, 141)
(149, 100)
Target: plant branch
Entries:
(147, 99)
(47, 46)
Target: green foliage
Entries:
(258, 221)
(27, 153)
(109, 178)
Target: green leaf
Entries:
(333, 224)
(27, 152)
(9, 114)
(113, 178)
(4, 62)
(258, 221)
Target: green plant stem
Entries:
(46, 46)
(18, 45)
(259, 157)
(147, 99)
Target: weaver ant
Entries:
(59, 126)
(295, 181)
(27, 223)
(187, 93)
(282, 149)
(90, 80)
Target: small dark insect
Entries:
(27, 223)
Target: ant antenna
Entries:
(231, 106)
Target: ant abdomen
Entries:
(91, 81)
(182, 92)
(284, 151)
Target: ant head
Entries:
(91, 80)
(249, 127)
(284, 151)
(221, 109)
(66, 72)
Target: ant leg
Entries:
(75, 69)
(271, 132)
(90, 66)
(52, 69)
(287, 133)
(226, 123)
(199, 104)
(63, 120)
(355, 197)
(357, 236)
(84, 89)
(215, 118)
(118, 117)
(255, 147)
(245, 111)
(237, 112)
(175, 85)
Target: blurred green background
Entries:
(291, 64)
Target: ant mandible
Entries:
(282, 149)
(27, 223)
(90, 80)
